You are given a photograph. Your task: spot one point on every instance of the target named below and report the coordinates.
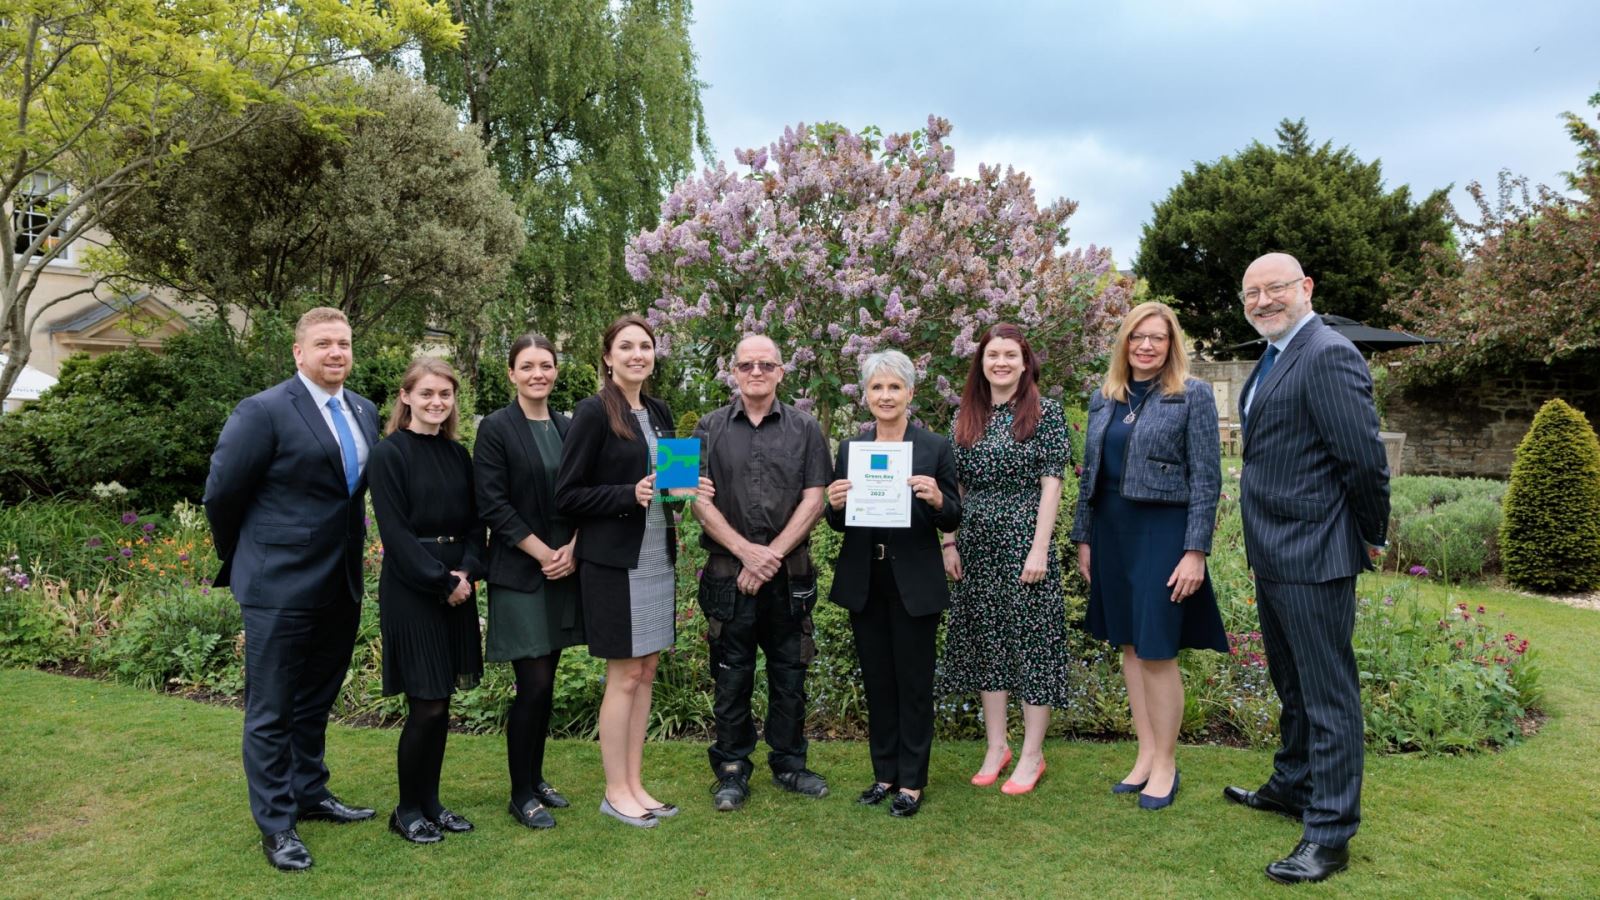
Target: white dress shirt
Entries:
(1281, 343)
(321, 397)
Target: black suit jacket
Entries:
(914, 552)
(288, 532)
(1315, 486)
(510, 479)
(595, 485)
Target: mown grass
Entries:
(112, 790)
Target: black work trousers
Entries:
(897, 653)
(777, 620)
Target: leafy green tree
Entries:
(1525, 290)
(591, 112)
(1323, 205)
(1550, 536)
(396, 219)
(100, 95)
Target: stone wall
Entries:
(1468, 429)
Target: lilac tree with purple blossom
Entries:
(838, 244)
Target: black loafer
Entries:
(286, 851)
(449, 821)
(1309, 862)
(535, 816)
(332, 809)
(549, 796)
(904, 806)
(802, 781)
(876, 794)
(1262, 801)
(421, 831)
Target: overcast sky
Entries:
(1108, 103)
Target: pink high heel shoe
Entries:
(1013, 788)
(986, 780)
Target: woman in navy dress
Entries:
(433, 551)
(1147, 504)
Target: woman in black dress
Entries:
(433, 551)
(626, 550)
(1147, 504)
(533, 598)
(892, 582)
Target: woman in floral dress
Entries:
(1007, 629)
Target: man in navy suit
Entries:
(1314, 496)
(286, 502)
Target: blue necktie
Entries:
(347, 443)
(1267, 359)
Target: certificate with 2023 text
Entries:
(879, 496)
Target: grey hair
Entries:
(898, 364)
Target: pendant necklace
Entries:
(1133, 414)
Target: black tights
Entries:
(528, 723)
(421, 756)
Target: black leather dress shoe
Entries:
(418, 831)
(876, 794)
(1309, 862)
(286, 851)
(549, 796)
(334, 810)
(449, 821)
(534, 816)
(904, 806)
(1263, 801)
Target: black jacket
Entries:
(595, 486)
(913, 552)
(509, 475)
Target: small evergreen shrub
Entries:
(1550, 538)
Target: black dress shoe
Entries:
(904, 806)
(449, 821)
(1309, 862)
(420, 831)
(1263, 801)
(332, 809)
(876, 794)
(535, 816)
(286, 851)
(549, 796)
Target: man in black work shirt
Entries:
(770, 465)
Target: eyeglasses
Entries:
(1155, 339)
(766, 366)
(1275, 292)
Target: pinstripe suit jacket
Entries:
(1315, 486)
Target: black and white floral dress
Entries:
(1004, 635)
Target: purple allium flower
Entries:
(1419, 571)
(127, 552)
(149, 527)
(93, 543)
(183, 557)
(129, 518)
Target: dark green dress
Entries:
(524, 624)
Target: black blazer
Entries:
(285, 525)
(595, 486)
(509, 474)
(913, 552)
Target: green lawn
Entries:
(108, 789)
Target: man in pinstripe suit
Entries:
(1314, 495)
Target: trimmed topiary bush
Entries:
(1550, 537)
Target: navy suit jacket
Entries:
(288, 532)
(1315, 486)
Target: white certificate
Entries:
(879, 496)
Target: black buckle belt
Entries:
(880, 552)
(442, 539)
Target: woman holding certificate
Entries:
(626, 550)
(894, 490)
(1147, 503)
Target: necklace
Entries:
(1133, 414)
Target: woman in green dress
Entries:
(534, 609)
(1008, 625)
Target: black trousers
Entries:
(777, 620)
(897, 656)
(1306, 629)
(294, 664)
